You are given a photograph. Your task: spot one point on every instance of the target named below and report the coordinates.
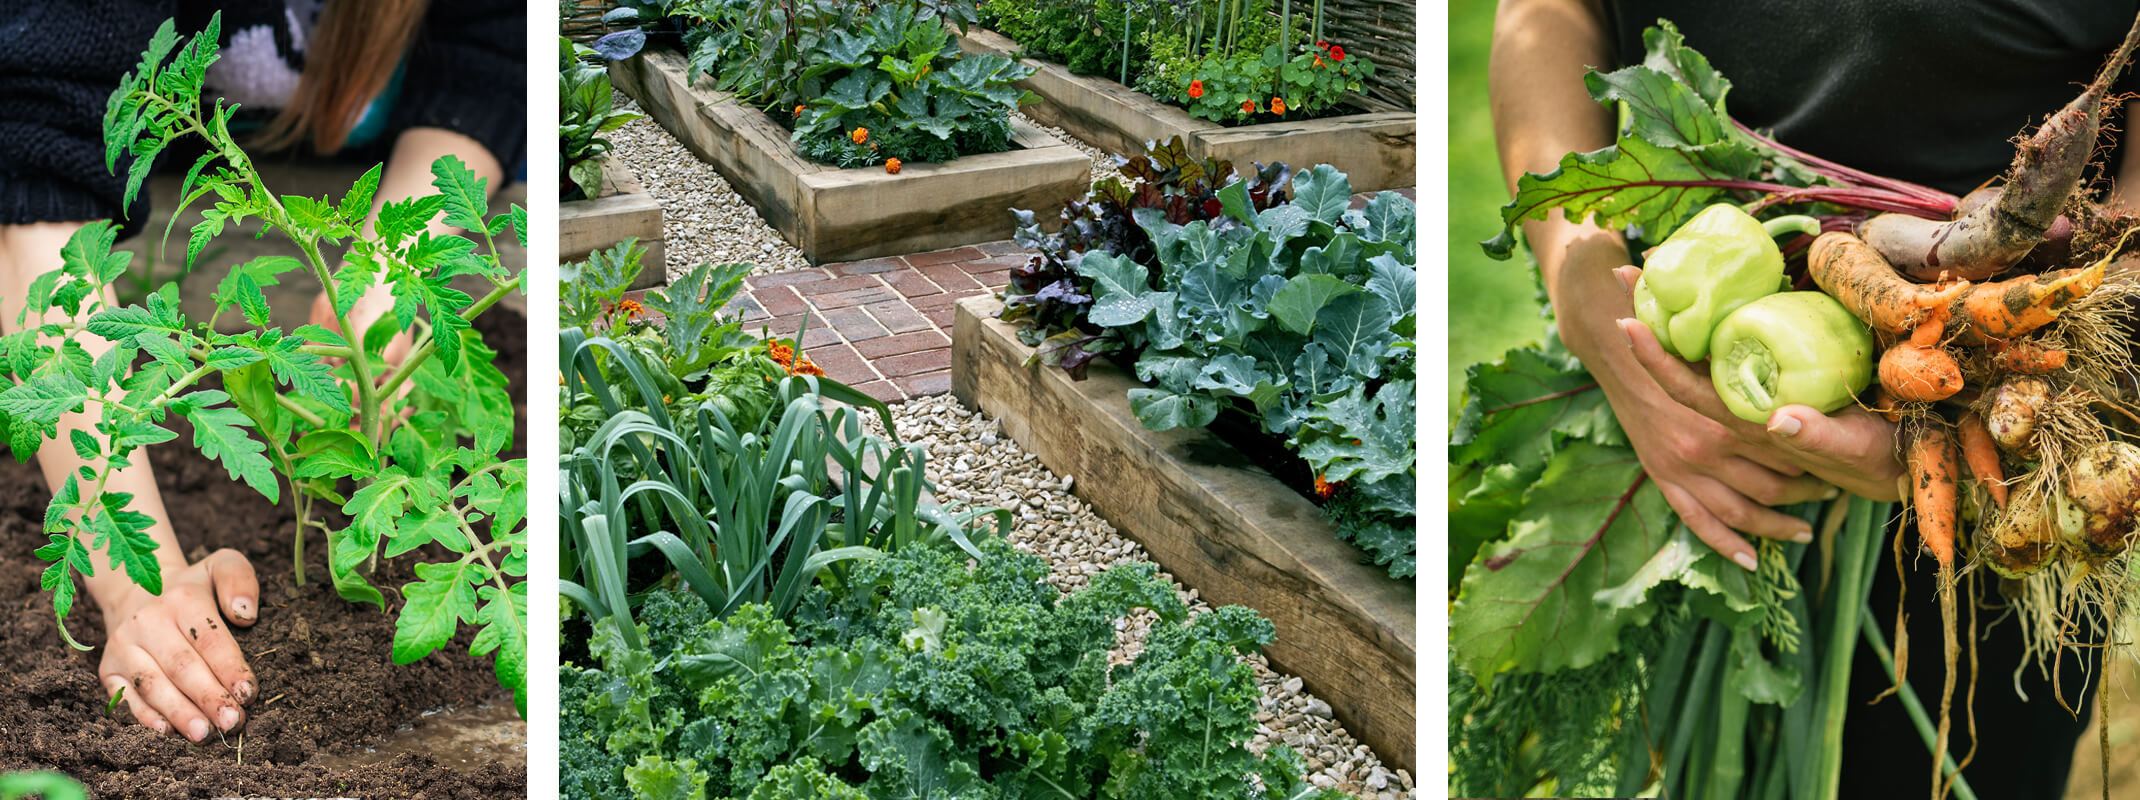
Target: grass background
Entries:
(1492, 304)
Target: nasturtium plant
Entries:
(1302, 316)
(283, 418)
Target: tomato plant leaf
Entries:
(465, 196)
(220, 434)
(442, 596)
(124, 537)
(503, 622)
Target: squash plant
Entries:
(1302, 316)
(283, 416)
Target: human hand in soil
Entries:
(173, 654)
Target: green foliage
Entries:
(586, 111)
(721, 454)
(284, 415)
(889, 68)
(1084, 35)
(1009, 695)
(1049, 299)
(48, 785)
(1301, 316)
(1269, 86)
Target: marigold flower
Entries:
(1248, 106)
(1196, 89)
(891, 165)
(807, 368)
(799, 110)
(1278, 106)
(780, 353)
(1337, 53)
(1325, 489)
(631, 309)
(860, 135)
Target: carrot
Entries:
(1852, 272)
(2024, 357)
(1916, 373)
(1933, 492)
(1883, 402)
(1982, 456)
(1993, 236)
(1932, 489)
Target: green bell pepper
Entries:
(1800, 348)
(1720, 260)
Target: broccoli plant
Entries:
(307, 412)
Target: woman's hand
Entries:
(173, 654)
(1715, 468)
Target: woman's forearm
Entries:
(1541, 50)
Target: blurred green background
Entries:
(1492, 305)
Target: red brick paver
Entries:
(883, 325)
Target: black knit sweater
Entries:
(60, 59)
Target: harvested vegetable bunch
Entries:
(2005, 325)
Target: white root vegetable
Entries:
(2103, 484)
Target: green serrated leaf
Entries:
(437, 601)
(220, 434)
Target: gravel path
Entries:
(704, 221)
(973, 464)
(1103, 165)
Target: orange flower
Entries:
(891, 165)
(807, 368)
(780, 353)
(560, 380)
(1248, 106)
(1324, 489)
(1278, 106)
(799, 110)
(1196, 89)
(1318, 62)
(860, 135)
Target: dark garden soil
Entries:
(327, 686)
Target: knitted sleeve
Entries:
(59, 61)
(467, 72)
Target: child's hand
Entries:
(174, 656)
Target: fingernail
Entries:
(1746, 560)
(228, 719)
(1832, 493)
(244, 691)
(243, 606)
(1802, 537)
(1784, 425)
(197, 731)
(163, 728)
(1623, 323)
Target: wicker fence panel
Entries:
(581, 20)
(1382, 30)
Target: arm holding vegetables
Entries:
(193, 684)
(1718, 472)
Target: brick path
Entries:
(884, 325)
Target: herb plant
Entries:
(283, 416)
(586, 103)
(922, 677)
(1301, 316)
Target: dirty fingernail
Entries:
(229, 718)
(197, 730)
(244, 690)
(1784, 425)
(243, 606)
(1746, 560)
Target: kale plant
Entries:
(285, 417)
(1301, 316)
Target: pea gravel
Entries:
(972, 463)
(704, 220)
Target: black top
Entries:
(1930, 91)
(60, 59)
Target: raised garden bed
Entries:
(335, 717)
(1230, 530)
(624, 210)
(1377, 150)
(846, 214)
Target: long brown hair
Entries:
(354, 51)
